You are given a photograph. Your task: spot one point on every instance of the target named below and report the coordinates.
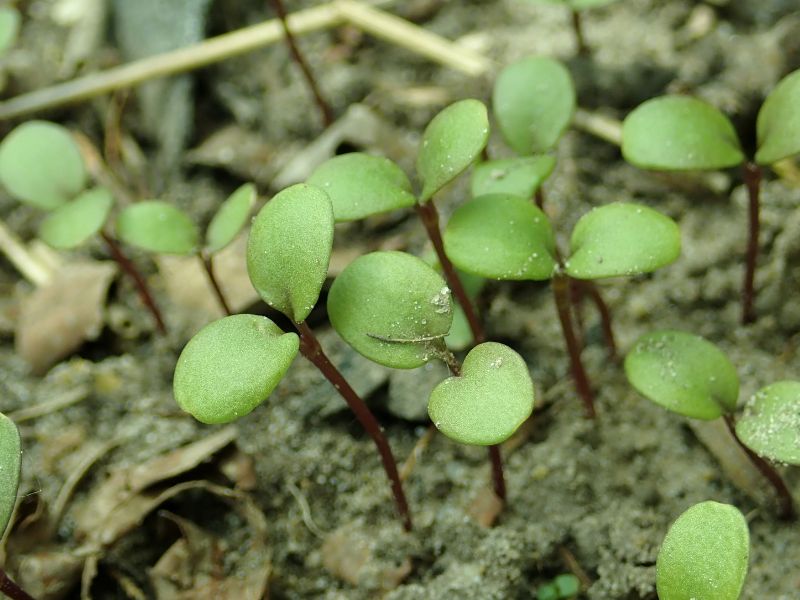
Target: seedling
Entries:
(576, 6)
(688, 375)
(41, 165)
(678, 133)
(563, 587)
(704, 554)
(508, 238)
(161, 228)
(232, 365)
(10, 464)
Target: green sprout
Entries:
(678, 133)
(233, 364)
(508, 238)
(576, 6)
(690, 376)
(563, 587)
(704, 554)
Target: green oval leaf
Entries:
(778, 123)
(683, 373)
(770, 424)
(289, 249)
(9, 27)
(704, 554)
(533, 101)
(231, 217)
(488, 402)
(622, 239)
(230, 366)
(360, 185)
(10, 464)
(41, 165)
(501, 237)
(392, 308)
(520, 176)
(157, 226)
(75, 222)
(677, 133)
(451, 143)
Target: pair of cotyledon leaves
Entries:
(684, 133)
(10, 463)
(689, 375)
(41, 165)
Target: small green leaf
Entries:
(684, 374)
(678, 133)
(488, 402)
(157, 226)
(520, 176)
(392, 308)
(40, 164)
(230, 366)
(770, 424)
(289, 249)
(778, 123)
(704, 554)
(533, 100)
(231, 217)
(622, 239)
(501, 237)
(360, 185)
(73, 223)
(451, 143)
(568, 585)
(9, 27)
(10, 464)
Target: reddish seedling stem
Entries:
(11, 589)
(430, 219)
(311, 349)
(294, 49)
(141, 285)
(605, 315)
(577, 26)
(561, 286)
(752, 180)
(208, 265)
(785, 504)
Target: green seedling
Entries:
(508, 238)
(576, 6)
(41, 165)
(159, 227)
(689, 375)
(678, 133)
(563, 587)
(704, 554)
(232, 365)
(10, 465)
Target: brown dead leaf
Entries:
(485, 507)
(61, 315)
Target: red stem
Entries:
(430, 219)
(577, 26)
(141, 285)
(752, 180)
(786, 506)
(311, 349)
(324, 107)
(208, 265)
(605, 317)
(11, 589)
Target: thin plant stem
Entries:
(430, 219)
(538, 198)
(208, 265)
(324, 108)
(561, 286)
(605, 316)
(11, 589)
(577, 26)
(752, 180)
(141, 285)
(785, 504)
(312, 350)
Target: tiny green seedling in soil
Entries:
(508, 238)
(704, 554)
(563, 587)
(233, 364)
(679, 133)
(159, 227)
(689, 375)
(41, 165)
(576, 6)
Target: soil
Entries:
(590, 496)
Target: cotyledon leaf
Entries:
(231, 217)
(770, 423)
(520, 176)
(778, 123)
(158, 226)
(73, 223)
(10, 463)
